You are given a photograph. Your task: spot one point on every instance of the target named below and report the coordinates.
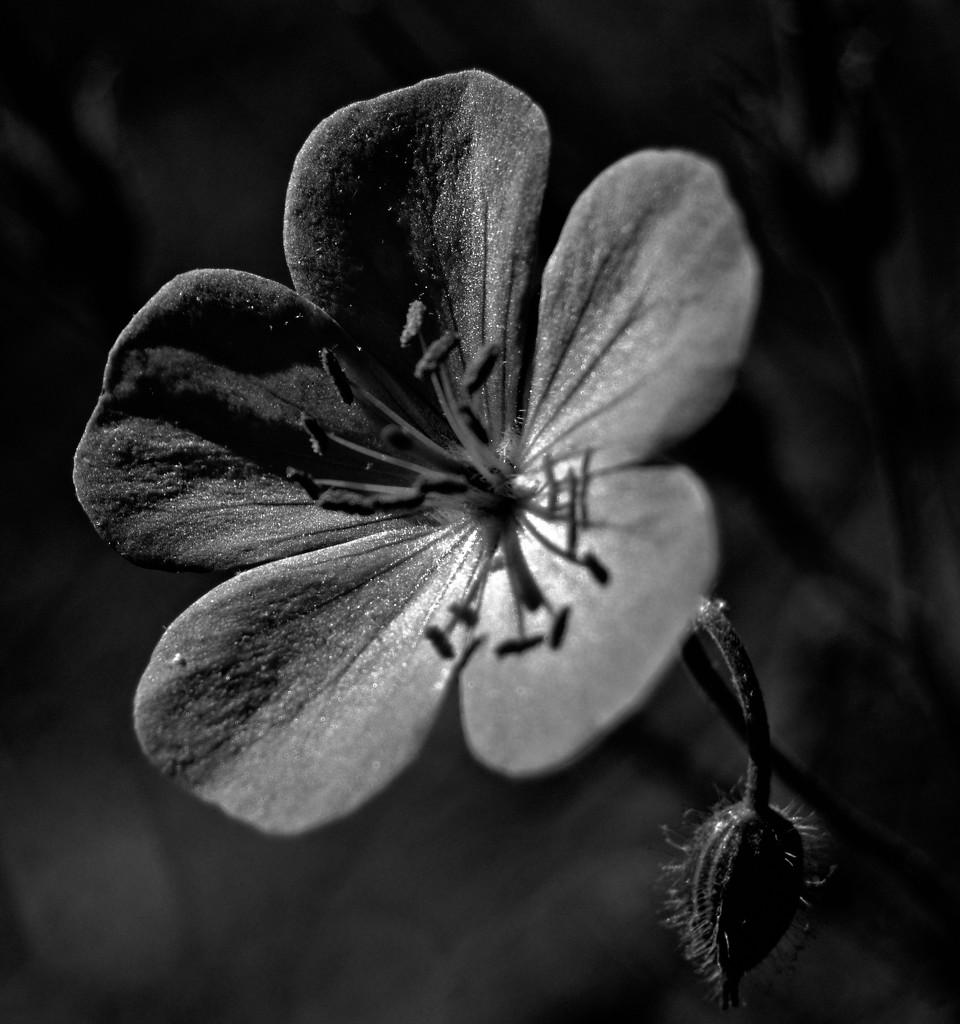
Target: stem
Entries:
(933, 888)
(713, 623)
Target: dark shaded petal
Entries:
(295, 691)
(432, 193)
(183, 463)
(646, 306)
(652, 529)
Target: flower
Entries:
(413, 490)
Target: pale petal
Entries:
(646, 306)
(430, 193)
(652, 528)
(297, 690)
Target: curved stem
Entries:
(712, 622)
(934, 890)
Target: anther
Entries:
(470, 418)
(297, 476)
(439, 639)
(333, 368)
(518, 645)
(429, 455)
(595, 567)
(396, 438)
(318, 436)
(437, 352)
(559, 628)
(414, 322)
(437, 484)
(342, 501)
(480, 367)
(464, 613)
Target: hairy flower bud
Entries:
(740, 884)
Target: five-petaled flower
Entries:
(414, 490)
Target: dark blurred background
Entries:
(139, 141)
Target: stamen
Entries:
(518, 645)
(467, 428)
(365, 487)
(589, 561)
(440, 456)
(402, 440)
(332, 365)
(559, 628)
(367, 506)
(440, 641)
(396, 438)
(318, 436)
(572, 505)
(437, 484)
(437, 351)
(414, 322)
(480, 367)
(582, 489)
(595, 567)
(468, 653)
(372, 453)
(552, 485)
(306, 481)
(472, 421)
(464, 613)
(357, 496)
(521, 579)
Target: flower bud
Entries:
(740, 885)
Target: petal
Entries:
(646, 306)
(431, 193)
(652, 528)
(183, 463)
(294, 691)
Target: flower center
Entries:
(469, 472)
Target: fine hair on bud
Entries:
(742, 878)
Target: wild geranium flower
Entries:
(414, 488)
